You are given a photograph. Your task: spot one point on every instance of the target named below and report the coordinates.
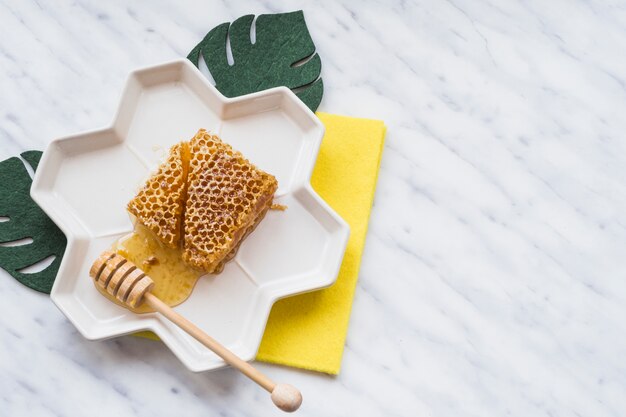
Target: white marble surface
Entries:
(494, 277)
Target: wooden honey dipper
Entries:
(131, 286)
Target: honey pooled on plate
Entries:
(174, 280)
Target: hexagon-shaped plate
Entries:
(84, 182)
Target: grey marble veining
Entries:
(494, 277)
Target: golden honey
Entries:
(173, 279)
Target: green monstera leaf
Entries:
(282, 54)
(27, 236)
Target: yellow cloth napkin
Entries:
(309, 330)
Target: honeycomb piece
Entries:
(227, 197)
(160, 203)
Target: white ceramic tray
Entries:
(84, 182)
